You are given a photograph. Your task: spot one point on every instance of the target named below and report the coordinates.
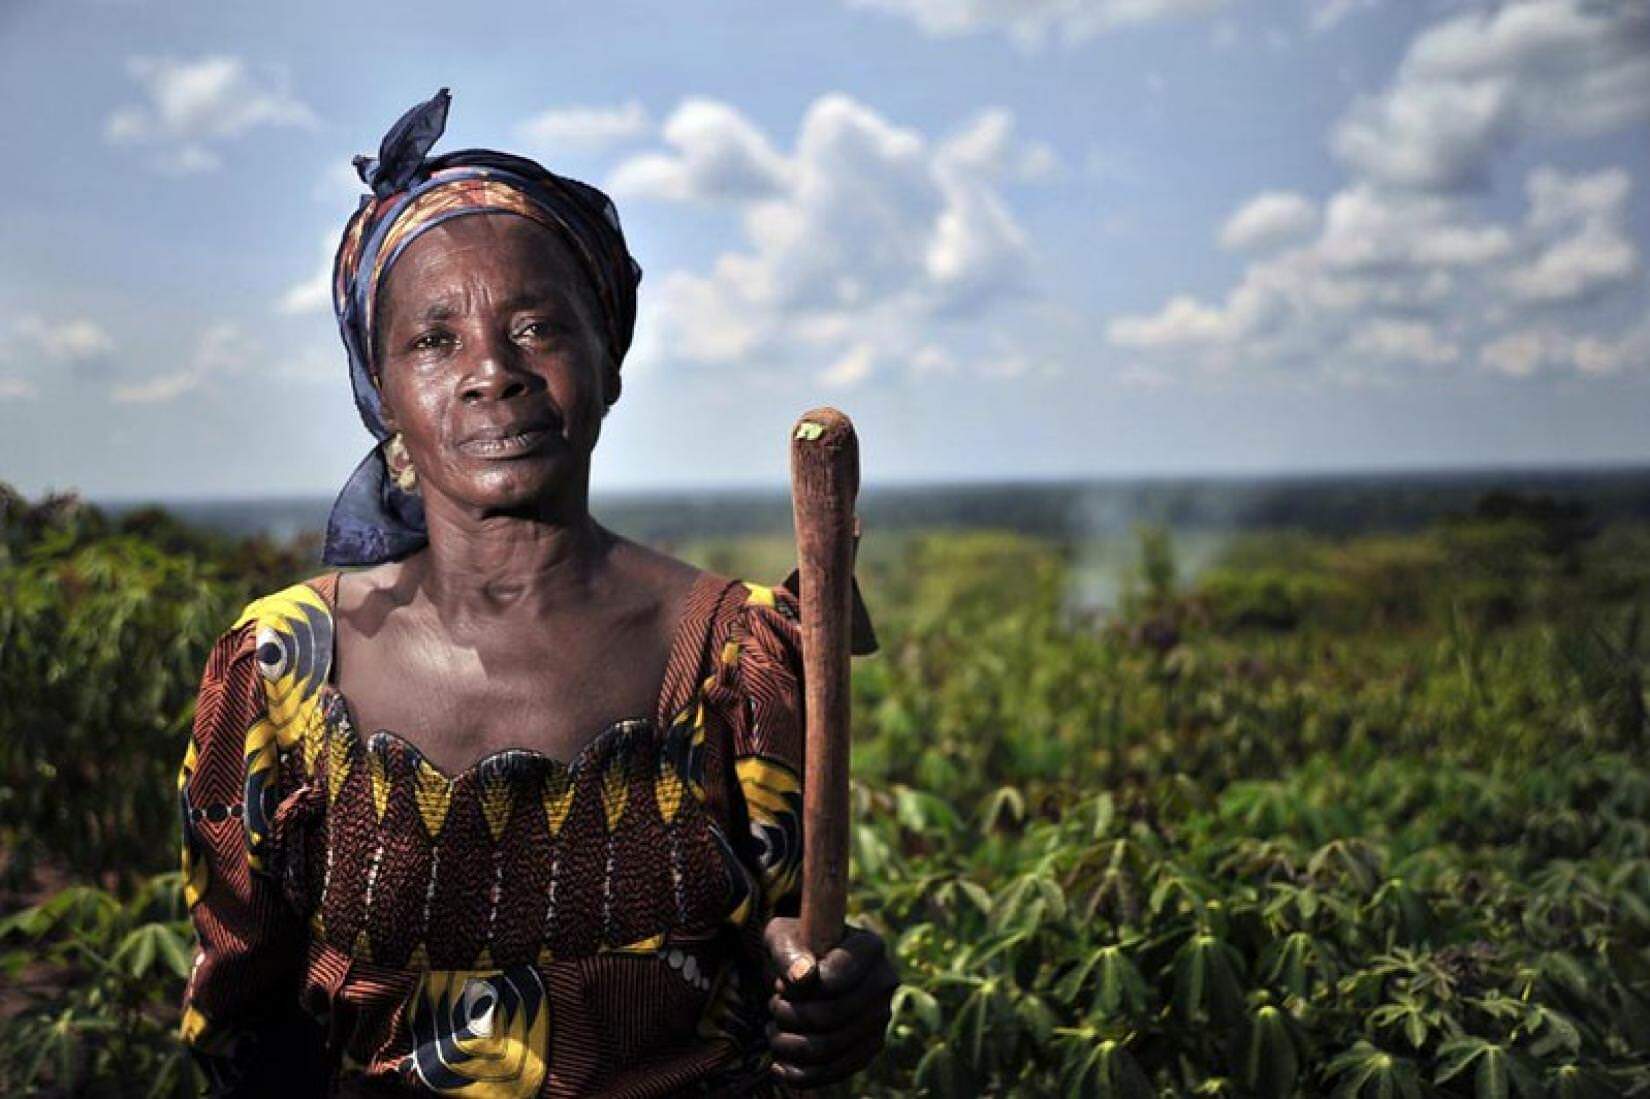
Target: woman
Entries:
(565, 863)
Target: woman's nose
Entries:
(495, 375)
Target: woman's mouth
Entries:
(514, 444)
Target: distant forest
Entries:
(1332, 506)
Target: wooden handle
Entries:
(824, 482)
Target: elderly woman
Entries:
(515, 811)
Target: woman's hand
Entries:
(829, 1014)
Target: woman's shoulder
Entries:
(696, 596)
(743, 607)
(312, 599)
(287, 634)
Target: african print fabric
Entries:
(526, 927)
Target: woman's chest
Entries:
(546, 692)
(518, 857)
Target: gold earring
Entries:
(400, 464)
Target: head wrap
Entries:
(374, 520)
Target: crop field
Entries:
(1330, 814)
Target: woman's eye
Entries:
(429, 341)
(538, 329)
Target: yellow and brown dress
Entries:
(526, 927)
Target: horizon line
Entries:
(899, 484)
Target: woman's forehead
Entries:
(503, 250)
(491, 235)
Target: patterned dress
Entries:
(371, 925)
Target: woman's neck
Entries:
(486, 565)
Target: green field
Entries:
(1271, 814)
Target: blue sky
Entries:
(1012, 238)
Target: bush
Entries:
(103, 635)
(1271, 599)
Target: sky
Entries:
(1013, 239)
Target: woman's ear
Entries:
(386, 410)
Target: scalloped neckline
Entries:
(574, 762)
(571, 765)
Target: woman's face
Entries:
(492, 364)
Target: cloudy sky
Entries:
(1013, 238)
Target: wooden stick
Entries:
(824, 482)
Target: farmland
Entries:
(1336, 812)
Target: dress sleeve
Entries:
(766, 726)
(241, 1015)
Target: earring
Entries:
(399, 463)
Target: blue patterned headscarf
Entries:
(375, 520)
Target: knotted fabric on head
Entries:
(375, 520)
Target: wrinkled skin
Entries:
(829, 1014)
(524, 622)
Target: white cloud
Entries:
(866, 246)
(191, 105)
(1324, 15)
(1558, 198)
(1520, 354)
(1527, 351)
(1031, 23)
(987, 145)
(1581, 221)
(932, 360)
(1268, 218)
(1402, 341)
(1405, 252)
(1183, 320)
(1302, 301)
(1410, 259)
(220, 350)
(314, 294)
(1573, 268)
(64, 341)
(584, 127)
(162, 387)
(1366, 227)
(1593, 356)
(853, 368)
(17, 389)
(41, 350)
(1482, 81)
(720, 156)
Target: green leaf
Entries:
(1271, 1066)
(1490, 1081)
(1206, 981)
(938, 1074)
(137, 950)
(1557, 1031)
(1006, 807)
(917, 1001)
(1122, 1075)
(175, 950)
(977, 893)
(1121, 986)
(1104, 812)
(1366, 1072)
(1574, 1082)
(1456, 1056)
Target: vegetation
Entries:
(1359, 816)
